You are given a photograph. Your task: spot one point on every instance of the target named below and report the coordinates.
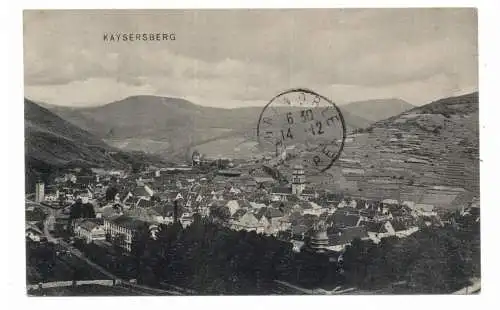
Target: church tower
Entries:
(318, 241)
(298, 180)
(39, 191)
(196, 158)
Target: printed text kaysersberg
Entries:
(131, 37)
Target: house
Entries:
(84, 181)
(275, 218)
(186, 220)
(124, 197)
(264, 182)
(340, 238)
(297, 245)
(85, 195)
(248, 222)
(144, 192)
(473, 210)
(308, 194)
(233, 206)
(33, 233)
(367, 214)
(256, 205)
(388, 202)
(109, 211)
(344, 220)
(396, 211)
(150, 215)
(409, 204)
(145, 203)
(378, 230)
(281, 193)
(238, 214)
(123, 228)
(90, 230)
(52, 195)
(402, 230)
(313, 209)
(34, 215)
(299, 231)
(425, 210)
(264, 221)
(342, 204)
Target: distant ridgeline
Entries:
(53, 144)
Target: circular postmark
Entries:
(302, 126)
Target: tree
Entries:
(87, 211)
(111, 192)
(76, 210)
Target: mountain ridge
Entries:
(52, 143)
(156, 124)
(378, 109)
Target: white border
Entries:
(13, 163)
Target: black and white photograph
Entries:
(202, 152)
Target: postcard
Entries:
(251, 152)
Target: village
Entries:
(113, 204)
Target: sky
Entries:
(236, 58)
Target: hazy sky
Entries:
(239, 57)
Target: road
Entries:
(50, 219)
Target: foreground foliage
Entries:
(211, 259)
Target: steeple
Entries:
(39, 191)
(319, 238)
(298, 180)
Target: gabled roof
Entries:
(304, 204)
(238, 214)
(299, 229)
(281, 190)
(424, 207)
(374, 227)
(340, 219)
(347, 235)
(273, 213)
(143, 214)
(129, 222)
(308, 191)
(85, 179)
(107, 211)
(143, 203)
(140, 191)
(33, 228)
(88, 225)
(398, 225)
(249, 220)
(244, 204)
(264, 179)
(132, 201)
(390, 201)
(368, 213)
(124, 195)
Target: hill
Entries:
(429, 154)
(378, 109)
(169, 125)
(51, 143)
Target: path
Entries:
(471, 289)
(74, 251)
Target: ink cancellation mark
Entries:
(300, 124)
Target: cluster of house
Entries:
(253, 202)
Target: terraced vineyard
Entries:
(429, 154)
